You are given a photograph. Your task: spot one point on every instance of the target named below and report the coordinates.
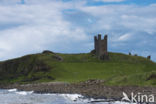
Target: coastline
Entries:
(90, 89)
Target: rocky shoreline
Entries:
(91, 89)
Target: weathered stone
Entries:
(100, 46)
(40, 66)
(149, 57)
(135, 55)
(153, 76)
(47, 52)
(59, 58)
(93, 51)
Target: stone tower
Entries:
(100, 46)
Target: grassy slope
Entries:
(121, 69)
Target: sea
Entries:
(13, 96)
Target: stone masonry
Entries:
(100, 46)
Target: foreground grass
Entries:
(121, 69)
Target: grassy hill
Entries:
(121, 69)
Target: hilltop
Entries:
(120, 69)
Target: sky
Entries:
(68, 26)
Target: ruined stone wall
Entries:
(100, 46)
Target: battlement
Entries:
(100, 46)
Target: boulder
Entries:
(47, 52)
(59, 58)
(149, 57)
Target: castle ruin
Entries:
(100, 46)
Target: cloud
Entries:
(70, 26)
(111, 0)
(129, 27)
(39, 27)
(123, 17)
(124, 37)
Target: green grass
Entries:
(121, 69)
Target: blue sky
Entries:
(68, 26)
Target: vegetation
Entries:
(120, 69)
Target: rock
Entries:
(47, 52)
(149, 57)
(93, 51)
(153, 76)
(40, 66)
(93, 81)
(59, 58)
(135, 55)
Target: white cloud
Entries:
(123, 17)
(40, 27)
(41, 24)
(127, 26)
(124, 37)
(9, 1)
(111, 0)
